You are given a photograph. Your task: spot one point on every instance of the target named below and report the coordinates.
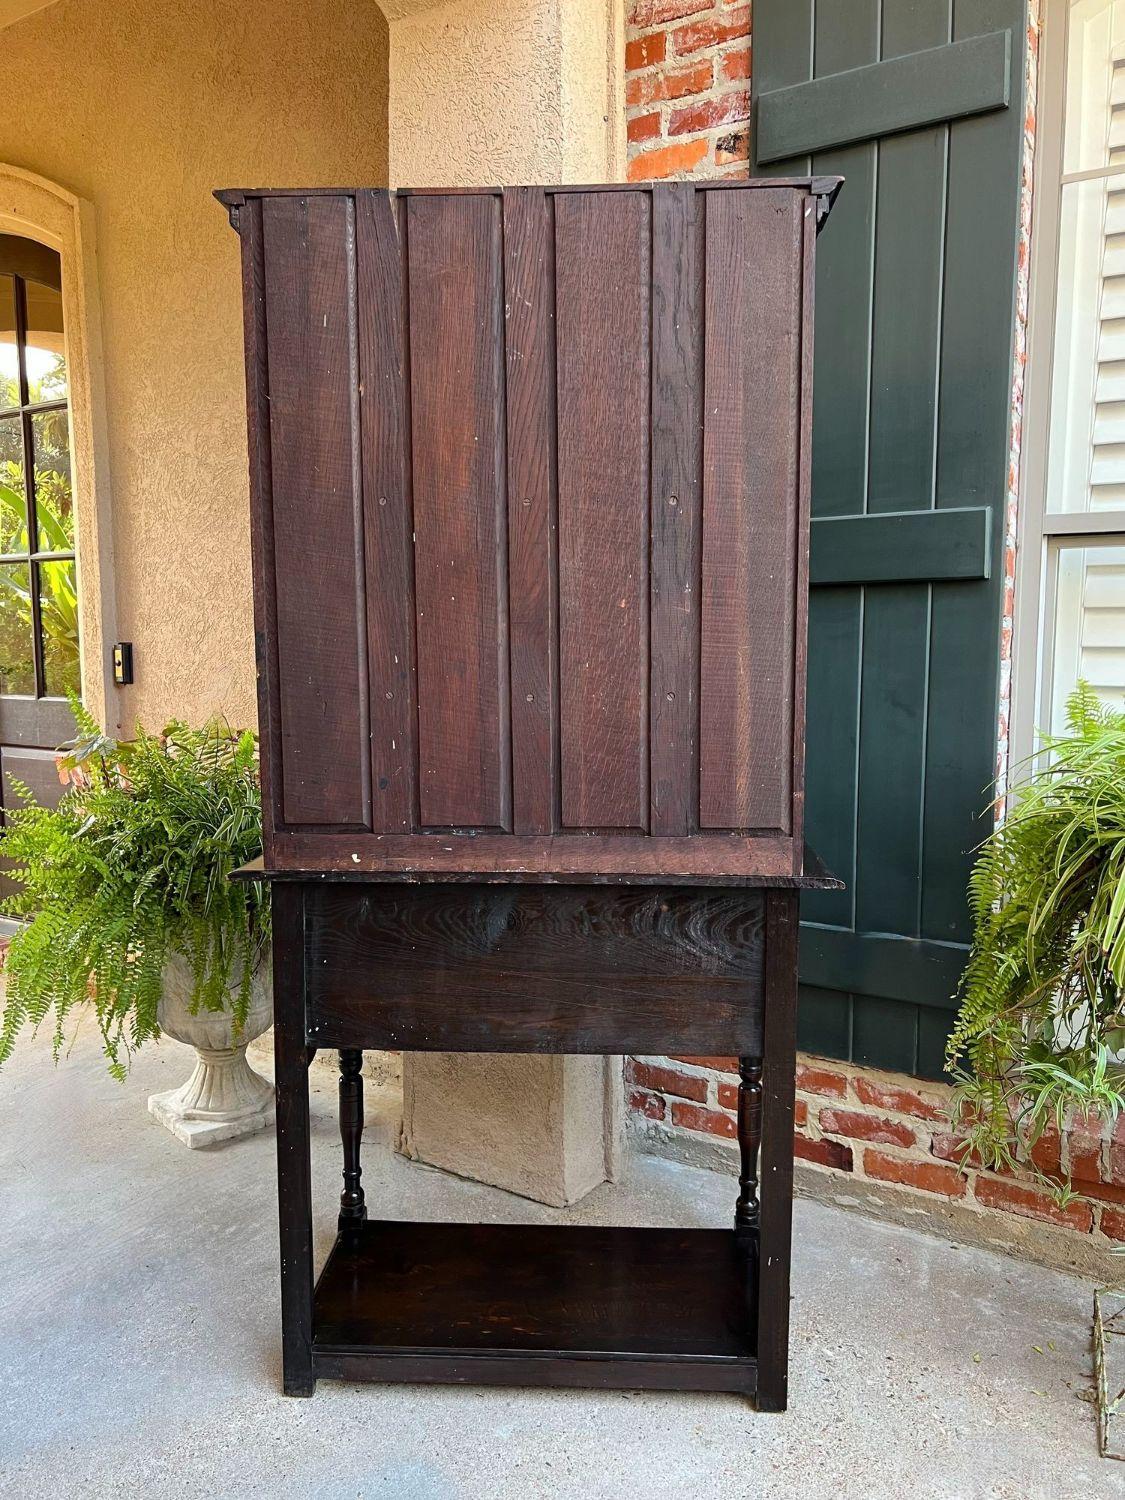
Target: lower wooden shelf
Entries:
(508, 1304)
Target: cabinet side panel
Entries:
(455, 296)
(387, 515)
(603, 261)
(752, 331)
(310, 272)
(261, 517)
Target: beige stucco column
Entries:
(504, 92)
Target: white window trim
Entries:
(1039, 533)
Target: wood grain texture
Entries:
(622, 857)
(529, 272)
(814, 876)
(387, 514)
(602, 249)
(460, 523)
(536, 1305)
(568, 969)
(676, 416)
(750, 471)
(309, 263)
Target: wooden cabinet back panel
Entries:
(531, 524)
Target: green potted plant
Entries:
(1042, 1018)
(125, 894)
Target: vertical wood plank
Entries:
(460, 528)
(750, 474)
(677, 393)
(836, 627)
(532, 508)
(804, 520)
(602, 258)
(845, 35)
(905, 352)
(973, 431)
(261, 518)
(386, 514)
(294, 1175)
(309, 246)
(778, 1092)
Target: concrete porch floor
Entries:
(139, 1338)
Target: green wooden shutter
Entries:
(920, 106)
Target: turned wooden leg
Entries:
(352, 1206)
(746, 1210)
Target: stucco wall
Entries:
(143, 107)
(506, 91)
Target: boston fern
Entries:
(131, 868)
(1043, 997)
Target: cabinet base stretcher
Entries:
(542, 1305)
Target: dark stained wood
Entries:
(814, 877)
(233, 199)
(602, 294)
(570, 969)
(294, 1178)
(387, 514)
(352, 1205)
(580, 567)
(753, 860)
(530, 488)
(746, 1209)
(804, 525)
(460, 525)
(605, 1372)
(261, 519)
(309, 263)
(539, 1304)
(750, 483)
(677, 416)
(778, 1091)
(529, 275)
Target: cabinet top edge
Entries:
(822, 185)
(818, 183)
(815, 877)
(824, 189)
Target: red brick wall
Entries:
(859, 1124)
(687, 88)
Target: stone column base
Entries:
(546, 1128)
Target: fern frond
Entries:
(132, 866)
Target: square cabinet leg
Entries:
(294, 1176)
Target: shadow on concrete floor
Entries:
(139, 1337)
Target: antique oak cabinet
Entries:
(530, 498)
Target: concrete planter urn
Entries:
(224, 1098)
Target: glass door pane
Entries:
(1089, 625)
(9, 352)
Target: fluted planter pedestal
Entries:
(224, 1098)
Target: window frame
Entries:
(39, 264)
(1042, 534)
